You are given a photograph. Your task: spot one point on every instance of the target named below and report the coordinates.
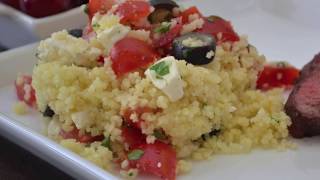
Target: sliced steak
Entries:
(303, 104)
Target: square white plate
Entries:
(19, 29)
(43, 27)
(279, 37)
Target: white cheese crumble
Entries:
(124, 164)
(170, 83)
(81, 119)
(151, 139)
(193, 42)
(27, 89)
(196, 24)
(140, 34)
(110, 36)
(210, 54)
(66, 49)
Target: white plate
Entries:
(275, 35)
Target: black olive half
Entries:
(48, 112)
(163, 11)
(75, 33)
(195, 48)
(164, 4)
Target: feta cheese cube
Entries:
(164, 74)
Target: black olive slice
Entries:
(163, 4)
(195, 48)
(48, 112)
(163, 11)
(160, 15)
(75, 33)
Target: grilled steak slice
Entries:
(303, 104)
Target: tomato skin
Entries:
(83, 138)
(20, 85)
(159, 159)
(132, 11)
(132, 136)
(276, 77)
(102, 6)
(186, 13)
(220, 26)
(130, 54)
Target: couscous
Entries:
(129, 96)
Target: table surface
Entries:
(18, 164)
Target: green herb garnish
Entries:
(135, 154)
(106, 142)
(95, 26)
(159, 134)
(162, 68)
(163, 28)
(86, 9)
(130, 174)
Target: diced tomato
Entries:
(130, 54)
(186, 13)
(219, 26)
(25, 91)
(274, 77)
(138, 111)
(82, 138)
(133, 11)
(88, 32)
(132, 136)
(158, 159)
(102, 6)
(167, 38)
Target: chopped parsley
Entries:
(95, 26)
(159, 134)
(130, 174)
(161, 69)
(135, 154)
(86, 9)
(163, 28)
(106, 142)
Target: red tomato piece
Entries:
(88, 32)
(275, 77)
(130, 54)
(186, 13)
(25, 91)
(133, 11)
(220, 26)
(82, 138)
(133, 136)
(167, 38)
(159, 159)
(102, 6)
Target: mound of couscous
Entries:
(122, 96)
